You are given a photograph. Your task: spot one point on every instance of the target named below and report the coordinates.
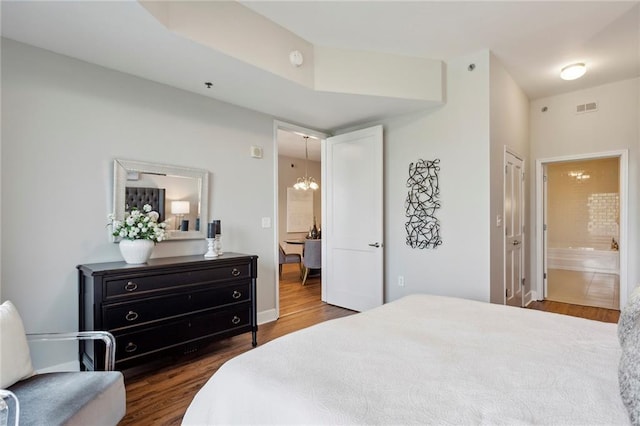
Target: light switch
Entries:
(266, 222)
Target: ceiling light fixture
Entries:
(573, 71)
(306, 182)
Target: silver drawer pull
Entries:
(131, 316)
(235, 272)
(236, 320)
(236, 294)
(131, 347)
(131, 286)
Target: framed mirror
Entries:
(179, 194)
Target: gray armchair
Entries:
(311, 257)
(288, 258)
(69, 398)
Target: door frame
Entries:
(523, 219)
(623, 156)
(289, 127)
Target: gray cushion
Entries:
(629, 315)
(629, 367)
(71, 398)
(629, 379)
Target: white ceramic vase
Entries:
(136, 251)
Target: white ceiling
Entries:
(532, 39)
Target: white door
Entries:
(513, 223)
(352, 268)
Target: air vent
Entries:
(588, 107)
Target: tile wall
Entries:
(583, 203)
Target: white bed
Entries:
(424, 360)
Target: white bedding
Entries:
(424, 360)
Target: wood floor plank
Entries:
(295, 297)
(589, 312)
(160, 394)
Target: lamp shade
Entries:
(180, 207)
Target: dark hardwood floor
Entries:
(589, 312)
(295, 297)
(160, 394)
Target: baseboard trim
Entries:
(267, 316)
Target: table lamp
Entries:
(179, 208)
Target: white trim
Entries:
(323, 212)
(545, 236)
(283, 125)
(267, 316)
(623, 155)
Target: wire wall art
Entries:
(421, 205)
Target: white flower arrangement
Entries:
(139, 225)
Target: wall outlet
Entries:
(400, 281)
(266, 222)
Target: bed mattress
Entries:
(424, 360)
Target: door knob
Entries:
(516, 242)
(376, 245)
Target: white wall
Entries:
(509, 109)
(560, 132)
(458, 135)
(63, 123)
(287, 176)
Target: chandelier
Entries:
(306, 182)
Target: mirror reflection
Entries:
(178, 194)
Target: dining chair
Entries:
(311, 257)
(288, 258)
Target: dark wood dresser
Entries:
(172, 305)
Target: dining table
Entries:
(298, 241)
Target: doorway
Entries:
(298, 156)
(584, 229)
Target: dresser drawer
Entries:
(133, 285)
(235, 293)
(217, 322)
(148, 339)
(119, 315)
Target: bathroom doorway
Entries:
(582, 200)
